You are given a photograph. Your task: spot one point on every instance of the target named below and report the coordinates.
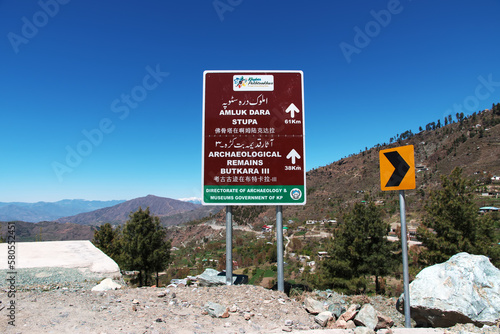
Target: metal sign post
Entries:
(279, 245)
(229, 245)
(404, 244)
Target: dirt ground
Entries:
(175, 310)
(154, 310)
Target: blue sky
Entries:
(372, 69)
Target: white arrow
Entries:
(292, 109)
(293, 155)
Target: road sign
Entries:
(253, 138)
(397, 168)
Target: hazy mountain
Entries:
(119, 214)
(45, 211)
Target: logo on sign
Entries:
(296, 194)
(240, 82)
(253, 82)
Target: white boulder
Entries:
(464, 289)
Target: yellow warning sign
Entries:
(397, 168)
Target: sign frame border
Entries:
(405, 184)
(203, 138)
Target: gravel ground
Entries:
(44, 305)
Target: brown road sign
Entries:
(253, 138)
(397, 168)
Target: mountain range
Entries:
(82, 226)
(48, 211)
(119, 213)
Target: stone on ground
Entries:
(323, 318)
(216, 310)
(210, 278)
(464, 289)
(106, 284)
(367, 317)
(313, 306)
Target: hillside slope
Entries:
(472, 144)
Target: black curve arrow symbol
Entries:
(401, 168)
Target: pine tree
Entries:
(109, 241)
(359, 249)
(453, 225)
(144, 245)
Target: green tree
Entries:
(144, 246)
(452, 223)
(109, 240)
(359, 249)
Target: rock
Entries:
(288, 322)
(351, 324)
(135, 302)
(313, 306)
(339, 324)
(331, 322)
(384, 321)
(106, 284)
(350, 313)
(209, 278)
(323, 318)
(385, 331)
(464, 289)
(179, 281)
(337, 309)
(216, 310)
(334, 297)
(367, 317)
(363, 330)
(321, 294)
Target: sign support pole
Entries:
(279, 245)
(229, 245)
(404, 244)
